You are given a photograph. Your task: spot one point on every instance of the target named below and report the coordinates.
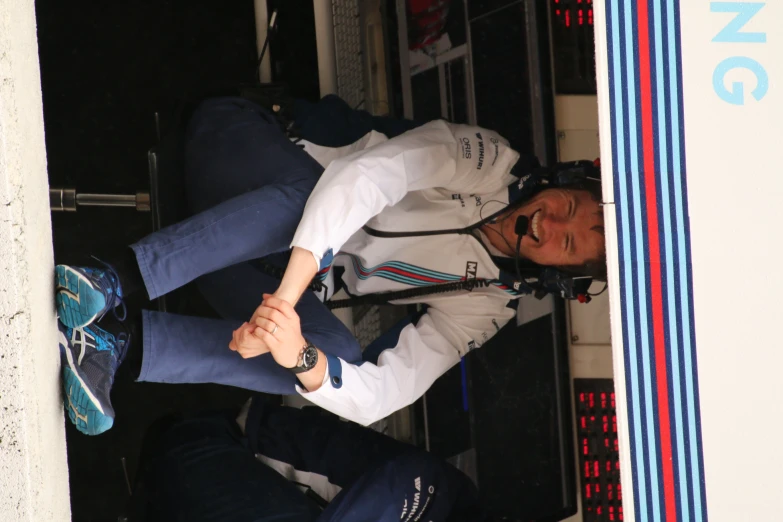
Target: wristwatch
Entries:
(308, 357)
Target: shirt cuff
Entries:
(332, 375)
(306, 241)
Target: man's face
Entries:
(565, 228)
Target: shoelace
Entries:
(123, 343)
(114, 281)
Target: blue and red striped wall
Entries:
(656, 294)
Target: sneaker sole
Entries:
(78, 301)
(84, 409)
(81, 410)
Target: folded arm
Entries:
(368, 392)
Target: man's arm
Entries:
(301, 269)
(355, 188)
(368, 392)
(349, 193)
(407, 371)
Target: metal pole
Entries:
(67, 200)
(105, 200)
(262, 28)
(324, 43)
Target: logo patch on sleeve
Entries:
(480, 151)
(470, 270)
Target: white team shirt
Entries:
(439, 176)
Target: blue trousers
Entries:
(247, 184)
(200, 470)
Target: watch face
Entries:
(309, 357)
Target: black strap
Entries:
(382, 298)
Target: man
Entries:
(211, 468)
(439, 203)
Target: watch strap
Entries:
(302, 364)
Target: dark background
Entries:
(105, 70)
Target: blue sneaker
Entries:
(84, 295)
(90, 358)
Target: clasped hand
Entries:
(274, 328)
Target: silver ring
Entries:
(275, 329)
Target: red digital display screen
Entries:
(599, 458)
(573, 45)
(573, 13)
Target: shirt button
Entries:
(336, 380)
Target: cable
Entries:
(498, 221)
(270, 29)
(606, 285)
(382, 298)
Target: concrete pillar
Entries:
(33, 464)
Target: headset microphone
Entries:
(520, 228)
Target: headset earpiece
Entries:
(575, 174)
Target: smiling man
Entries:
(439, 204)
(565, 229)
